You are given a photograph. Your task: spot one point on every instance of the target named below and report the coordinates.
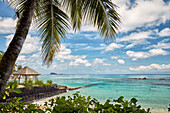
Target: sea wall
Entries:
(29, 95)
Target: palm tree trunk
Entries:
(14, 48)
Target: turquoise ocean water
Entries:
(152, 92)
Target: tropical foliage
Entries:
(17, 106)
(39, 82)
(28, 84)
(48, 83)
(19, 67)
(53, 18)
(75, 104)
(12, 86)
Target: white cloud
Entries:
(134, 59)
(76, 60)
(79, 61)
(165, 40)
(156, 52)
(137, 38)
(88, 28)
(114, 57)
(98, 60)
(91, 48)
(106, 64)
(160, 45)
(164, 32)
(7, 25)
(65, 54)
(151, 67)
(36, 55)
(120, 61)
(21, 58)
(143, 55)
(142, 13)
(112, 46)
(31, 44)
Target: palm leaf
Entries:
(75, 9)
(52, 24)
(18, 5)
(103, 14)
(100, 13)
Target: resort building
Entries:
(25, 73)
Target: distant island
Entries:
(52, 73)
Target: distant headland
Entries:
(53, 73)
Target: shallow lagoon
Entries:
(152, 92)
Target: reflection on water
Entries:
(153, 92)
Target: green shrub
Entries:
(75, 104)
(47, 84)
(39, 82)
(28, 84)
(17, 106)
(12, 86)
(50, 82)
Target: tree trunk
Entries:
(14, 48)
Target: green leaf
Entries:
(119, 100)
(7, 93)
(133, 100)
(4, 97)
(52, 24)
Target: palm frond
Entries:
(103, 14)
(75, 9)
(18, 5)
(100, 13)
(52, 24)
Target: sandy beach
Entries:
(42, 101)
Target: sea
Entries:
(151, 90)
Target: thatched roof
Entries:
(26, 71)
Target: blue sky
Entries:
(141, 46)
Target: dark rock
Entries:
(37, 93)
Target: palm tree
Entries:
(52, 19)
(15, 65)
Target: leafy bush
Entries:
(28, 84)
(39, 82)
(75, 104)
(12, 86)
(17, 106)
(50, 82)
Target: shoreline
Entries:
(42, 101)
(46, 93)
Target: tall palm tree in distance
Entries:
(53, 18)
